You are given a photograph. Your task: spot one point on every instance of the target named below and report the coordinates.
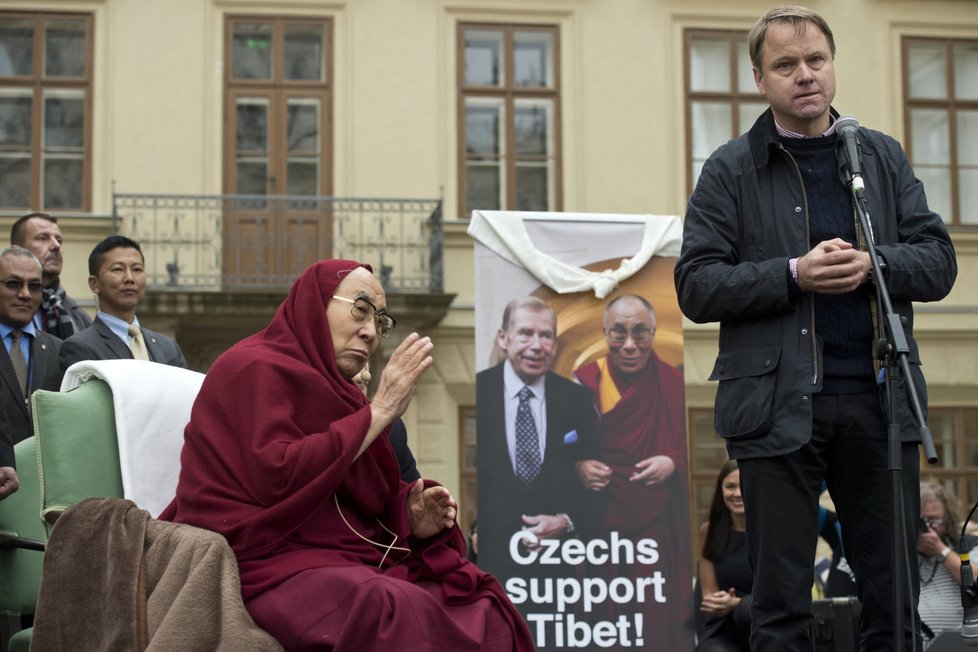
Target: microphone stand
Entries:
(893, 350)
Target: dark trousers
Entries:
(848, 449)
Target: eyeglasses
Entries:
(640, 334)
(933, 521)
(361, 311)
(15, 284)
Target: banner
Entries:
(583, 471)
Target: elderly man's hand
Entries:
(400, 378)
(593, 474)
(653, 470)
(430, 510)
(544, 526)
(8, 481)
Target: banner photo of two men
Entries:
(582, 460)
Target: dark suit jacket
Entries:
(405, 458)
(100, 343)
(502, 497)
(45, 374)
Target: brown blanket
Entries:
(116, 579)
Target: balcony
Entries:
(202, 243)
(218, 266)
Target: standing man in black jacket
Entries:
(771, 250)
(59, 314)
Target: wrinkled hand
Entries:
(833, 267)
(400, 378)
(544, 526)
(720, 603)
(929, 543)
(653, 470)
(593, 474)
(430, 510)
(8, 481)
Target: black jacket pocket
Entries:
(745, 397)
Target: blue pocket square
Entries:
(570, 437)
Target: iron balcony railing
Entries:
(222, 242)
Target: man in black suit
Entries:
(59, 314)
(118, 280)
(28, 358)
(532, 426)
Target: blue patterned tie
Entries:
(527, 441)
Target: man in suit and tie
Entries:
(29, 357)
(533, 425)
(118, 280)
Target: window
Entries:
(955, 433)
(509, 112)
(277, 141)
(941, 87)
(722, 101)
(45, 111)
(278, 106)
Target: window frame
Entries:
(510, 94)
(735, 98)
(950, 104)
(278, 92)
(38, 83)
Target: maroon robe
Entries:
(322, 539)
(649, 420)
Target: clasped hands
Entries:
(833, 267)
(595, 475)
(720, 603)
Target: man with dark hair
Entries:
(59, 314)
(118, 280)
(772, 251)
(28, 358)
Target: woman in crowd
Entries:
(940, 607)
(286, 457)
(724, 573)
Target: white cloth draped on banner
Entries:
(505, 233)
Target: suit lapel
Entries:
(118, 348)
(43, 356)
(153, 346)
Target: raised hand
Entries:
(400, 377)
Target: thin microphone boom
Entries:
(969, 625)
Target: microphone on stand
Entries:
(969, 599)
(848, 127)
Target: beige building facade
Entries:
(592, 105)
